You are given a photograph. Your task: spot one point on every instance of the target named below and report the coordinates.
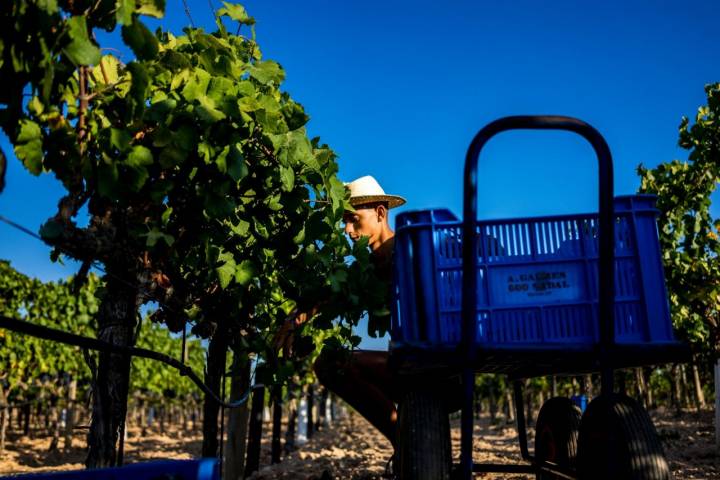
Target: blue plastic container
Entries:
(580, 401)
(200, 469)
(537, 278)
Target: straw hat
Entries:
(367, 190)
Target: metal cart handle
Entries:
(606, 236)
(606, 253)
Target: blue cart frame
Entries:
(408, 359)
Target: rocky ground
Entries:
(351, 449)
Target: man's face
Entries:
(363, 222)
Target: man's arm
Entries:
(284, 337)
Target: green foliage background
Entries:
(688, 231)
(24, 359)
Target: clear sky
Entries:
(399, 88)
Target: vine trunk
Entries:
(117, 320)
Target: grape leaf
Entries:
(28, 146)
(80, 50)
(142, 42)
(236, 12)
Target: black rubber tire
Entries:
(618, 441)
(424, 450)
(556, 434)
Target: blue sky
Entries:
(399, 88)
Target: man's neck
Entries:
(382, 247)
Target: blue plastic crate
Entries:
(537, 278)
(580, 401)
(200, 469)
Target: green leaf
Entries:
(142, 42)
(152, 8)
(81, 50)
(299, 237)
(226, 270)
(267, 72)
(154, 235)
(28, 146)
(159, 111)
(236, 12)
(337, 278)
(124, 11)
(140, 84)
(165, 217)
(140, 156)
(50, 6)
(288, 178)
(35, 106)
(171, 156)
(197, 85)
(221, 87)
(271, 122)
(107, 181)
(236, 166)
(295, 116)
(245, 272)
(109, 69)
(274, 204)
(135, 177)
(207, 111)
(218, 205)
(120, 139)
(241, 228)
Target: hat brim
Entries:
(392, 200)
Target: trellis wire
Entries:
(67, 338)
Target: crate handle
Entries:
(606, 226)
(469, 246)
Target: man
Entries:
(363, 378)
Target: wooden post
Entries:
(302, 419)
(641, 387)
(699, 394)
(717, 404)
(235, 448)
(588, 387)
(277, 423)
(54, 424)
(493, 407)
(677, 394)
(252, 463)
(4, 420)
(686, 386)
(4, 417)
(510, 405)
(162, 415)
(333, 408)
(321, 421)
(310, 406)
(290, 432)
(529, 417)
(27, 413)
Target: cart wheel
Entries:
(618, 440)
(423, 438)
(556, 433)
